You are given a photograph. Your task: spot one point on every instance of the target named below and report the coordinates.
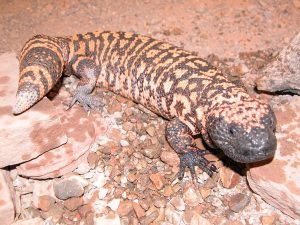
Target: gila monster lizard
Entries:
(193, 95)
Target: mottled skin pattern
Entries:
(181, 87)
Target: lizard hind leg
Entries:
(181, 140)
(88, 73)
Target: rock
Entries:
(83, 168)
(198, 219)
(125, 208)
(85, 210)
(240, 69)
(210, 183)
(102, 193)
(170, 157)
(55, 211)
(233, 222)
(187, 216)
(149, 218)
(178, 203)
(7, 198)
(152, 151)
(205, 192)
(139, 211)
(59, 171)
(157, 180)
(31, 212)
(193, 217)
(282, 187)
(44, 129)
(111, 219)
(159, 202)
(99, 180)
(124, 143)
(114, 204)
(69, 217)
(151, 131)
(168, 191)
(68, 188)
(283, 74)
(215, 201)
(173, 216)
(115, 134)
(45, 202)
(238, 202)
(73, 203)
(128, 126)
(268, 220)
(192, 197)
(228, 177)
(29, 134)
(121, 99)
(80, 130)
(42, 188)
(115, 107)
(145, 204)
(132, 176)
(93, 159)
(35, 221)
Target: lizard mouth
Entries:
(248, 156)
(244, 146)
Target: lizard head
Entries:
(243, 130)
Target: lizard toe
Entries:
(192, 159)
(88, 102)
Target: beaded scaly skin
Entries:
(193, 95)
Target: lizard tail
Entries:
(41, 65)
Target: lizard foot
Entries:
(87, 101)
(192, 159)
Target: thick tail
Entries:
(41, 65)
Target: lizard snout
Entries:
(241, 144)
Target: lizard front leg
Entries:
(181, 140)
(88, 72)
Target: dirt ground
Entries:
(224, 28)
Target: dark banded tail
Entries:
(41, 66)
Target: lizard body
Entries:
(176, 84)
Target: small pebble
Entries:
(125, 208)
(157, 180)
(124, 143)
(45, 202)
(73, 203)
(68, 188)
(178, 203)
(100, 180)
(83, 168)
(192, 197)
(238, 202)
(114, 204)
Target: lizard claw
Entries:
(88, 102)
(192, 159)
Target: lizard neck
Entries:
(213, 101)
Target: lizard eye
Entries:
(232, 131)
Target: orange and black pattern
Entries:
(168, 80)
